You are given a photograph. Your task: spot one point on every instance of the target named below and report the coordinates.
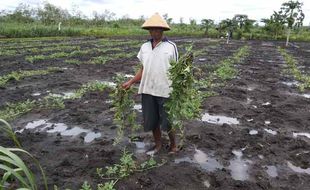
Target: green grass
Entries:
(8, 52)
(22, 30)
(6, 128)
(225, 70)
(18, 75)
(106, 58)
(292, 63)
(14, 110)
(97, 60)
(73, 61)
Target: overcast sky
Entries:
(195, 9)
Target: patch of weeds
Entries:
(92, 86)
(73, 61)
(293, 70)
(18, 75)
(226, 71)
(52, 102)
(58, 55)
(13, 110)
(34, 58)
(100, 60)
(126, 167)
(8, 52)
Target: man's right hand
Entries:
(127, 85)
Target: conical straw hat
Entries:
(156, 21)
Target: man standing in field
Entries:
(155, 56)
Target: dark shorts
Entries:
(154, 114)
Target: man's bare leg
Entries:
(157, 138)
(173, 146)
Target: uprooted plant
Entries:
(185, 99)
(123, 103)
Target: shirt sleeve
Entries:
(139, 56)
(175, 54)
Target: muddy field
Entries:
(254, 134)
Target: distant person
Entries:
(155, 56)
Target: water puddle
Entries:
(129, 76)
(295, 135)
(291, 83)
(239, 167)
(250, 88)
(298, 169)
(267, 122)
(249, 101)
(272, 171)
(108, 83)
(64, 95)
(74, 131)
(270, 131)
(36, 94)
(140, 147)
(58, 128)
(206, 162)
(61, 128)
(306, 95)
(90, 136)
(35, 124)
(253, 132)
(266, 104)
(219, 120)
(109, 101)
(138, 107)
(206, 183)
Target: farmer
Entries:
(155, 56)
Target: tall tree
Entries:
(293, 15)
(228, 25)
(275, 24)
(167, 18)
(240, 19)
(50, 14)
(206, 25)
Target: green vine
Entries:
(185, 100)
(123, 103)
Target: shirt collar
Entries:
(165, 39)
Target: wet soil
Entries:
(257, 98)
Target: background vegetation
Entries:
(50, 20)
